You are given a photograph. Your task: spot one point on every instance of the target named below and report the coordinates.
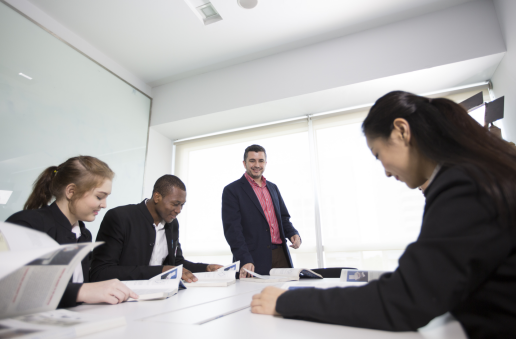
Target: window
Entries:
(366, 219)
(207, 167)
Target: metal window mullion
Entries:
(315, 179)
(173, 164)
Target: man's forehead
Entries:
(176, 194)
(259, 155)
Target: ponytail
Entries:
(42, 191)
(84, 172)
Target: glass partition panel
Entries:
(55, 103)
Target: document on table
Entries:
(359, 277)
(162, 286)
(282, 274)
(224, 276)
(35, 269)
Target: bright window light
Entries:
(4, 196)
(479, 114)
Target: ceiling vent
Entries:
(204, 10)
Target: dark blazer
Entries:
(129, 236)
(53, 222)
(464, 262)
(245, 226)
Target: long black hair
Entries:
(445, 133)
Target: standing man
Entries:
(142, 240)
(255, 219)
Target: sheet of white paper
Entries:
(13, 260)
(259, 275)
(38, 285)
(23, 238)
(217, 275)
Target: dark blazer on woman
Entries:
(246, 228)
(129, 236)
(464, 262)
(53, 222)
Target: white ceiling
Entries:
(162, 40)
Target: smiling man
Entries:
(142, 240)
(255, 219)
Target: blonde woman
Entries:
(80, 187)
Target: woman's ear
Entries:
(70, 191)
(402, 127)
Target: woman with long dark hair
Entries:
(80, 187)
(464, 260)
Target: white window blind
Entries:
(367, 219)
(207, 165)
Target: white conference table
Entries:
(224, 312)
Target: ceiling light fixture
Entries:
(25, 76)
(208, 13)
(247, 4)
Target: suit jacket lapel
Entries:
(170, 242)
(275, 201)
(250, 192)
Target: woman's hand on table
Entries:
(265, 302)
(110, 291)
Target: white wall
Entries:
(159, 160)
(456, 34)
(504, 79)
(79, 43)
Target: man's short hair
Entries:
(254, 148)
(164, 185)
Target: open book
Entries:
(34, 270)
(347, 278)
(281, 275)
(223, 277)
(359, 277)
(160, 287)
(56, 324)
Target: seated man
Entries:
(141, 240)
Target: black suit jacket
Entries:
(129, 236)
(53, 222)
(246, 229)
(464, 262)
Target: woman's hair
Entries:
(84, 171)
(445, 133)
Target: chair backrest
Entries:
(331, 272)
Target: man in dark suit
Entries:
(142, 241)
(255, 219)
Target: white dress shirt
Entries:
(160, 250)
(77, 276)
